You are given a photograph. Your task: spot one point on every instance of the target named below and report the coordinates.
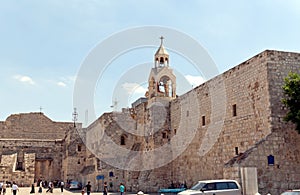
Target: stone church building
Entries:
(228, 127)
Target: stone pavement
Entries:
(56, 191)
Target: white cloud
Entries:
(195, 80)
(24, 79)
(61, 84)
(68, 79)
(64, 81)
(134, 88)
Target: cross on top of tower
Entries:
(161, 40)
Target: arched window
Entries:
(161, 61)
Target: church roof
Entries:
(161, 51)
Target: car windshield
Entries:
(290, 193)
(198, 186)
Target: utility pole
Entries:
(75, 115)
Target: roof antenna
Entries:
(75, 115)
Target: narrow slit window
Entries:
(79, 148)
(203, 120)
(122, 140)
(234, 110)
(164, 135)
(236, 151)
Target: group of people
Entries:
(49, 185)
(3, 186)
(87, 189)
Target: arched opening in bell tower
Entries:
(165, 88)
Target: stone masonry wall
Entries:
(74, 153)
(208, 126)
(34, 133)
(32, 126)
(8, 172)
(279, 65)
(283, 142)
(284, 174)
(224, 133)
(135, 127)
(42, 149)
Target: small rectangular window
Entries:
(203, 120)
(234, 110)
(111, 174)
(270, 160)
(123, 140)
(79, 148)
(19, 166)
(236, 151)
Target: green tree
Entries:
(291, 100)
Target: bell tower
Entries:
(161, 57)
(162, 81)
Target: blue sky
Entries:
(44, 42)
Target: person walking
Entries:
(62, 184)
(14, 188)
(88, 188)
(4, 188)
(32, 189)
(122, 189)
(50, 187)
(105, 189)
(1, 184)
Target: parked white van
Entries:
(214, 187)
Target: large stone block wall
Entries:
(284, 174)
(74, 153)
(32, 126)
(9, 173)
(135, 125)
(282, 143)
(201, 127)
(36, 134)
(279, 65)
(43, 150)
(223, 134)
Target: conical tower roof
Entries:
(161, 50)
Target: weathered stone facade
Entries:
(9, 172)
(35, 147)
(236, 121)
(232, 121)
(283, 141)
